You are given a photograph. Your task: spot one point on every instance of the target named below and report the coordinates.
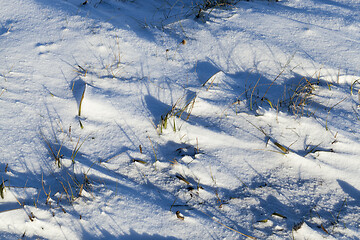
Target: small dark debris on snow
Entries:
(179, 215)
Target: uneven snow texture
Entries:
(174, 120)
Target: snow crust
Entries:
(157, 120)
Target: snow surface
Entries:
(154, 120)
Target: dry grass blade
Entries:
(252, 93)
(300, 96)
(81, 70)
(326, 124)
(272, 83)
(77, 148)
(278, 215)
(2, 92)
(182, 179)
(184, 108)
(323, 228)
(2, 188)
(285, 150)
(210, 78)
(243, 234)
(139, 161)
(66, 191)
(177, 112)
(352, 85)
(270, 103)
(47, 194)
(211, 83)
(153, 149)
(191, 108)
(53, 151)
(269, 138)
(313, 149)
(81, 189)
(276, 78)
(82, 98)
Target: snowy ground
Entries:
(157, 120)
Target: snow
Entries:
(154, 120)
